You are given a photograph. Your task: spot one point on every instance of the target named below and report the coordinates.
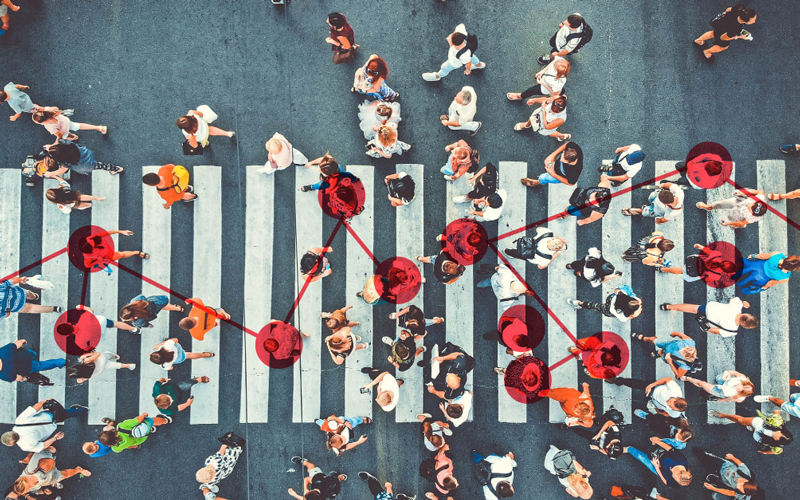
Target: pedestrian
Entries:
(456, 412)
(666, 396)
(622, 304)
(168, 394)
(761, 271)
(337, 319)
(564, 166)
(15, 299)
(19, 101)
(388, 392)
(317, 485)
(669, 464)
(769, 431)
(385, 143)
(674, 431)
(330, 171)
(547, 117)
(525, 377)
(95, 363)
(490, 207)
(342, 38)
(573, 33)
(608, 439)
(202, 319)
(67, 199)
(340, 430)
(41, 472)
(370, 80)
(462, 159)
(650, 251)
(446, 269)
(433, 432)
(4, 6)
(172, 183)
(401, 187)
(601, 357)
(461, 54)
(131, 433)
(219, 465)
(342, 343)
(730, 386)
(97, 251)
(483, 182)
(624, 166)
(62, 127)
(196, 126)
(18, 363)
(314, 265)
(730, 477)
(570, 473)
(746, 207)
(439, 470)
(540, 250)
(680, 353)
(66, 156)
(35, 428)
(549, 81)
(169, 353)
(281, 154)
(710, 265)
(576, 405)
(404, 349)
(590, 203)
(790, 406)
(141, 310)
(95, 449)
(461, 113)
(385, 492)
(707, 170)
(727, 26)
(718, 318)
(449, 370)
(413, 319)
(665, 203)
(789, 149)
(507, 286)
(496, 474)
(594, 268)
(375, 114)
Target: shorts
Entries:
(180, 355)
(701, 310)
(546, 178)
(186, 385)
(74, 126)
(792, 407)
(719, 42)
(313, 472)
(758, 426)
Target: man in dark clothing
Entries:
(317, 485)
(564, 165)
(449, 371)
(727, 27)
(16, 362)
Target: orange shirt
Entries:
(174, 181)
(205, 320)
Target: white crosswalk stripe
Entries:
(10, 228)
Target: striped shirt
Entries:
(12, 297)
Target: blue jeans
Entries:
(40, 366)
(76, 412)
(477, 457)
(644, 458)
(446, 170)
(574, 211)
(354, 421)
(447, 67)
(486, 283)
(546, 178)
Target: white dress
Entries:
(202, 124)
(396, 148)
(287, 156)
(368, 114)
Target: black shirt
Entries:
(438, 267)
(584, 199)
(414, 313)
(570, 172)
(329, 486)
(460, 366)
(486, 183)
(728, 24)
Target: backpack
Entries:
(472, 46)
(585, 37)
(527, 246)
(614, 415)
(563, 464)
(402, 188)
(695, 366)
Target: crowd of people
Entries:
(446, 366)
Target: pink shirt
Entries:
(61, 126)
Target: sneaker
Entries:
(387, 340)
(761, 398)
(138, 331)
(713, 413)
(426, 415)
(298, 460)
(789, 148)
(640, 413)
(107, 420)
(342, 477)
(460, 199)
(447, 432)
(80, 406)
(794, 382)
(544, 59)
(431, 77)
(366, 476)
(165, 417)
(575, 303)
(424, 348)
(480, 124)
(132, 366)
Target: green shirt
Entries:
(126, 439)
(171, 390)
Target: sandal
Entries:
(703, 206)
(144, 255)
(664, 306)
(627, 212)
(654, 355)
(775, 196)
(565, 138)
(204, 380)
(637, 336)
(367, 420)
(211, 353)
(35, 296)
(117, 172)
(521, 126)
(104, 130)
(509, 94)
(713, 413)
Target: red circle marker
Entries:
(279, 345)
(709, 165)
(466, 241)
(77, 332)
(605, 355)
(344, 198)
(521, 328)
(90, 249)
(397, 280)
(722, 264)
(525, 377)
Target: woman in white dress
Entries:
(375, 114)
(196, 126)
(281, 155)
(385, 143)
(95, 363)
(545, 119)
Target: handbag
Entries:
(56, 409)
(189, 150)
(38, 379)
(694, 367)
(232, 440)
(706, 324)
(483, 473)
(343, 56)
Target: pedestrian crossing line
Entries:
(616, 239)
(721, 352)
(306, 318)
(103, 299)
(410, 243)
(359, 267)
(258, 251)
(206, 285)
(774, 317)
(157, 241)
(459, 295)
(560, 287)
(55, 231)
(10, 225)
(514, 215)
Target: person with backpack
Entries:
(35, 428)
(680, 352)
(747, 206)
(608, 439)
(669, 464)
(573, 33)
(439, 470)
(769, 431)
(314, 265)
(404, 349)
(600, 355)
(564, 166)
(590, 203)
(401, 187)
(219, 465)
(384, 491)
(168, 394)
(624, 166)
(594, 268)
(449, 370)
(446, 269)
(317, 485)
(710, 265)
(201, 318)
(540, 250)
(718, 318)
(666, 396)
(761, 271)
(495, 474)
(460, 54)
(549, 81)
(490, 207)
(571, 474)
(507, 286)
(622, 304)
(730, 478)
(462, 159)
(676, 432)
(141, 310)
(545, 119)
(342, 38)
(650, 250)
(483, 182)
(665, 204)
(727, 26)
(65, 156)
(413, 319)
(131, 433)
(172, 183)
(433, 432)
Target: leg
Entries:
(629, 382)
(594, 306)
(40, 366)
(725, 204)
(37, 309)
(562, 394)
(485, 283)
(745, 421)
(642, 457)
(212, 130)
(173, 307)
(68, 473)
(87, 197)
(128, 254)
(199, 355)
(157, 421)
(471, 126)
(87, 126)
(714, 49)
(702, 39)
(76, 412)
(5, 21)
(532, 91)
(445, 69)
(119, 325)
(684, 308)
(709, 388)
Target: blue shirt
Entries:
(15, 362)
(12, 297)
(19, 101)
(384, 496)
(104, 450)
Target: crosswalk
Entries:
(308, 381)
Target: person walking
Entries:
(370, 80)
(342, 343)
(35, 428)
(547, 117)
(4, 17)
(624, 166)
(400, 187)
(747, 206)
(314, 265)
(317, 485)
(622, 304)
(404, 349)
(462, 159)
(483, 182)
(549, 81)
(413, 319)
(730, 386)
(727, 26)
(141, 310)
(680, 352)
(19, 101)
(449, 370)
(650, 251)
(342, 38)
(490, 207)
(381, 492)
(576, 405)
(95, 363)
(761, 271)
(281, 154)
(710, 265)
(388, 392)
(496, 474)
(456, 412)
(506, 285)
(665, 203)
(666, 396)
(590, 203)
(68, 199)
(461, 113)
(461, 54)
(608, 439)
(66, 156)
(62, 127)
(172, 183)
(18, 363)
(769, 431)
(669, 464)
(573, 33)
(340, 430)
(540, 250)
(202, 319)
(570, 473)
(337, 319)
(41, 472)
(564, 166)
(385, 143)
(97, 252)
(718, 318)
(730, 477)
(169, 353)
(168, 394)
(440, 471)
(594, 268)
(446, 269)
(375, 114)
(15, 299)
(131, 433)
(196, 126)
(219, 465)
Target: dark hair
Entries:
(309, 264)
(109, 438)
(449, 483)
(626, 304)
(81, 370)
(66, 329)
(791, 263)
(135, 310)
(611, 356)
(151, 179)
(504, 489)
(337, 20)
(450, 267)
(187, 123)
(329, 166)
(747, 14)
(314, 494)
(402, 351)
(687, 433)
(665, 245)
(437, 441)
(161, 356)
(474, 239)
(570, 154)
(62, 196)
(494, 200)
(614, 449)
(458, 38)
(561, 101)
(454, 410)
(575, 20)
(713, 167)
(3, 96)
(43, 116)
(680, 404)
(378, 68)
(749, 321)
(666, 197)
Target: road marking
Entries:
(10, 228)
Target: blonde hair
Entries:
(387, 135)
(555, 244)
(581, 486)
(206, 474)
(564, 64)
(274, 146)
(385, 398)
(690, 354)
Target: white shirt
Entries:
(741, 211)
(465, 400)
(32, 437)
(452, 54)
(725, 315)
(389, 383)
(671, 213)
(169, 346)
(541, 246)
(549, 77)
(490, 213)
(500, 465)
(630, 169)
(664, 392)
(561, 38)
